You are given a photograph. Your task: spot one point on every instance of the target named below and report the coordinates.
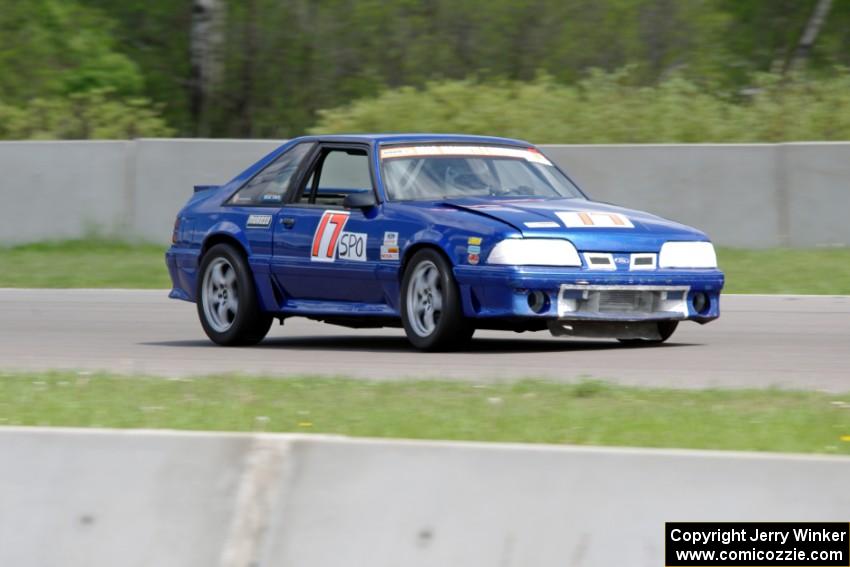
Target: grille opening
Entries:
(623, 301)
(643, 261)
(628, 301)
(600, 261)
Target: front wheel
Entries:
(227, 300)
(431, 310)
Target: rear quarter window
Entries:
(270, 185)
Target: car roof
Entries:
(390, 138)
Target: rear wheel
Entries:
(665, 330)
(431, 310)
(227, 299)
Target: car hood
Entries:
(547, 218)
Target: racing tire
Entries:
(431, 309)
(665, 330)
(227, 301)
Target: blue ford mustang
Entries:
(440, 234)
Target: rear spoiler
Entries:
(199, 188)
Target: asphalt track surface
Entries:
(785, 341)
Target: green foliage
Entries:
(608, 108)
(283, 60)
(62, 76)
(56, 47)
(280, 61)
(154, 34)
(334, 51)
(93, 114)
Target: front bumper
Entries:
(578, 294)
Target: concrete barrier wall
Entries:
(729, 191)
(63, 189)
(749, 195)
(166, 171)
(104, 498)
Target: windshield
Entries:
(420, 173)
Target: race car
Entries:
(438, 234)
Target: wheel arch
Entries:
(269, 296)
(414, 248)
(222, 238)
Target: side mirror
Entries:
(362, 200)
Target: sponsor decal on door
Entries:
(327, 236)
(352, 246)
(259, 221)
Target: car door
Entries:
(253, 207)
(323, 251)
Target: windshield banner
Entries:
(529, 154)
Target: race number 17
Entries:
(327, 234)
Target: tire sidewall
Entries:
(451, 316)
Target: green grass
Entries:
(786, 270)
(587, 413)
(92, 262)
(102, 263)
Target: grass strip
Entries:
(100, 263)
(816, 271)
(584, 413)
(90, 263)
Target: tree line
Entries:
(266, 68)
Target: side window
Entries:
(270, 185)
(338, 173)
